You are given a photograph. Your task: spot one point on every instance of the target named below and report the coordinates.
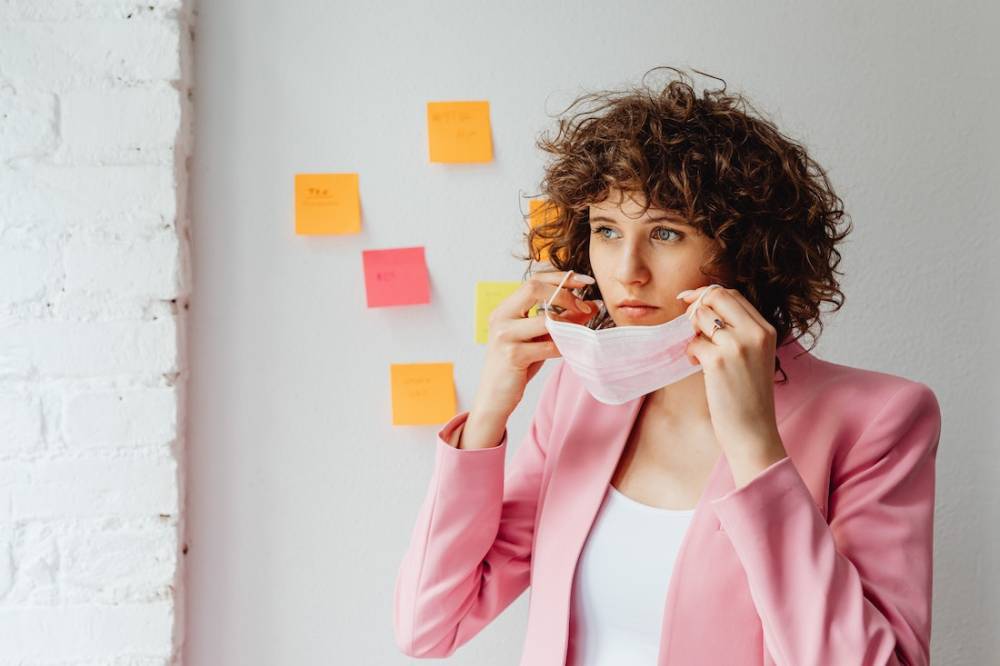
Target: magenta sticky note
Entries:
(396, 276)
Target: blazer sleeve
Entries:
(857, 590)
(469, 554)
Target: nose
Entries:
(631, 266)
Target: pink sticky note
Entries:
(396, 277)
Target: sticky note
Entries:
(422, 393)
(327, 203)
(396, 276)
(488, 297)
(459, 131)
(541, 212)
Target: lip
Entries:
(633, 302)
(637, 310)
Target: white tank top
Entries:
(620, 583)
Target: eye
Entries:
(599, 231)
(676, 233)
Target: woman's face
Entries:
(648, 258)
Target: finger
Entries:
(699, 346)
(532, 329)
(730, 304)
(569, 307)
(567, 285)
(569, 315)
(704, 321)
(530, 352)
(692, 296)
(538, 289)
(565, 294)
(721, 302)
(555, 277)
(520, 330)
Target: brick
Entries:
(20, 422)
(36, 564)
(120, 418)
(95, 487)
(119, 565)
(29, 126)
(75, 194)
(6, 560)
(137, 268)
(61, 10)
(84, 631)
(89, 349)
(119, 126)
(26, 273)
(76, 54)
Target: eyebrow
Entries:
(661, 218)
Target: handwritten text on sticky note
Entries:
(327, 203)
(422, 393)
(459, 131)
(396, 276)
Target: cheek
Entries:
(597, 270)
(599, 259)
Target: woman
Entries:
(771, 508)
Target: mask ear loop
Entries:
(700, 298)
(548, 302)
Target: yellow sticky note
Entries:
(541, 212)
(422, 393)
(488, 297)
(459, 131)
(327, 203)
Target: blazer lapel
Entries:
(594, 441)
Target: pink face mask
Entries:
(625, 362)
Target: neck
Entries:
(683, 401)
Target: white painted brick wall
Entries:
(95, 135)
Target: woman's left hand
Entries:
(738, 363)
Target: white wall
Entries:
(94, 134)
(303, 494)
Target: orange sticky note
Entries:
(396, 276)
(541, 212)
(459, 131)
(422, 393)
(327, 203)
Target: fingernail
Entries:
(584, 278)
(684, 294)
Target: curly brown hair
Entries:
(728, 171)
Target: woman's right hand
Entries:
(518, 344)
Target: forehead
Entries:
(620, 204)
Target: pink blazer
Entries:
(823, 559)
